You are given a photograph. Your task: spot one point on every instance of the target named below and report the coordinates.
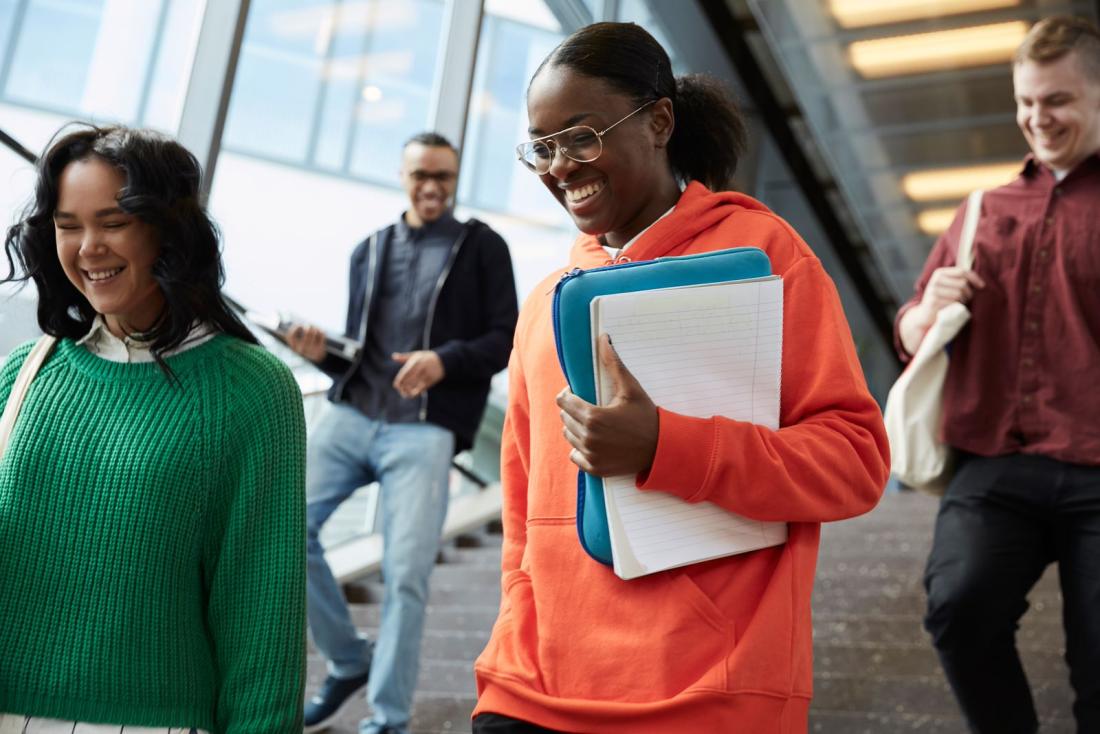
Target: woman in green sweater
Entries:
(152, 567)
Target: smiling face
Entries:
(429, 174)
(1058, 110)
(631, 184)
(105, 252)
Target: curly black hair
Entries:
(162, 189)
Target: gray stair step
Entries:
(875, 670)
(918, 695)
(456, 619)
(849, 596)
(914, 660)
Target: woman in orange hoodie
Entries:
(720, 646)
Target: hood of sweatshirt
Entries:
(697, 210)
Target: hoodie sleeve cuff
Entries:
(682, 462)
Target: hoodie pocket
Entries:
(514, 641)
(604, 639)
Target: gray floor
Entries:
(874, 671)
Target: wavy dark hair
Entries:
(162, 189)
(709, 136)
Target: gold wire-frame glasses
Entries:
(579, 143)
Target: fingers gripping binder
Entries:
(573, 337)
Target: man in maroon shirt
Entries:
(1021, 406)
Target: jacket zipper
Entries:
(368, 287)
(424, 341)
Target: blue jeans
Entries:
(411, 462)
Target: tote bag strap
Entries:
(965, 257)
(34, 360)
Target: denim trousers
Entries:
(1001, 522)
(411, 462)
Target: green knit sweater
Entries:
(152, 541)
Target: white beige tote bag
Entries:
(34, 360)
(914, 407)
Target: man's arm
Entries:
(487, 354)
(941, 283)
(946, 285)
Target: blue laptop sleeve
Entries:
(573, 337)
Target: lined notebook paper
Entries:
(701, 351)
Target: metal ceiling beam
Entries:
(206, 103)
(863, 274)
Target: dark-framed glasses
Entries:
(442, 177)
(579, 143)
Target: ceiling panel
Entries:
(871, 129)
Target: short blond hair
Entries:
(1052, 38)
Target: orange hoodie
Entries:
(721, 646)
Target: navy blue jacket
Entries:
(470, 324)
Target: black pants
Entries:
(1001, 521)
(497, 724)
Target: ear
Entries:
(662, 121)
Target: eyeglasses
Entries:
(579, 143)
(443, 177)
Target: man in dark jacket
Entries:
(432, 301)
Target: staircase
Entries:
(875, 671)
(874, 668)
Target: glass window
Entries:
(638, 11)
(7, 15)
(396, 86)
(515, 38)
(326, 93)
(278, 78)
(164, 102)
(335, 85)
(106, 60)
(53, 53)
(595, 7)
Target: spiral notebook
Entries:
(701, 351)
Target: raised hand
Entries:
(419, 371)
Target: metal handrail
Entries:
(17, 148)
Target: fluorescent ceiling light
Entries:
(935, 221)
(937, 51)
(857, 13)
(955, 183)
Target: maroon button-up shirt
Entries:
(1024, 374)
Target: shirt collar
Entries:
(1032, 165)
(101, 342)
(405, 232)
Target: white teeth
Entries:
(103, 274)
(582, 193)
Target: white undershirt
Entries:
(614, 252)
(101, 342)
